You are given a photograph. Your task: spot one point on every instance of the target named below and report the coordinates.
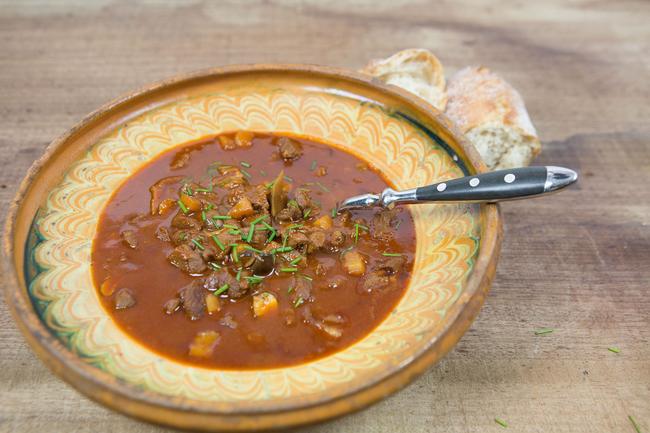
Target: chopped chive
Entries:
(306, 213)
(356, 233)
(182, 206)
(287, 178)
(361, 226)
(614, 349)
(220, 217)
(288, 269)
(254, 279)
(334, 212)
(292, 203)
(235, 256)
(273, 234)
(295, 226)
(255, 250)
(295, 261)
(214, 266)
(634, 424)
(221, 289)
(265, 224)
(323, 187)
(391, 254)
(298, 302)
(285, 238)
(290, 289)
(216, 240)
(259, 219)
(204, 189)
(231, 226)
(234, 232)
(209, 206)
(251, 231)
(245, 164)
(313, 165)
(307, 277)
(281, 250)
(198, 244)
(269, 185)
(188, 191)
(238, 276)
(501, 422)
(203, 216)
(543, 331)
(245, 173)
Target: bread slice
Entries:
(416, 70)
(493, 117)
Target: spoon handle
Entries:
(499, 185)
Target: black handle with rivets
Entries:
(499, 185)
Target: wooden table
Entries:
(578, 262)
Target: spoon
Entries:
(511, 184)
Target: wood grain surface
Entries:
(577, 262)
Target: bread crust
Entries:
(479, 98)
(414, 69)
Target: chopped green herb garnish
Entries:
(292, 203)
(214, 266)
(259, 219)
(253, 249)
(204, 189)
(234, 232)
(203, 216)
(295, 261)
(270, 185)
(220, 217)
(307, 277)
(634, 424)
(614, 349)
(216, 240)
(361, 226)
(295, 226)
(273, 234)
(288, 269)
(313, 165)
(188, 190)
(298, 302)
(245, 164)
(501, 422)
(290, 289)
(254, 279)
(235, 256)
(543, 331)
(323, 187)
(391, 254)
(356, 233)
(231, 226)
(198, 244)
(209, 206)
(334, 212)
(221, 289)
(183, 236)
(245, 173)
(251, 231)
(238, 276)
(182, 206)
(288, 179)
(306, 213)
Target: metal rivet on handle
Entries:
(474, 182)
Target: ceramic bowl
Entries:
(53, 219)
